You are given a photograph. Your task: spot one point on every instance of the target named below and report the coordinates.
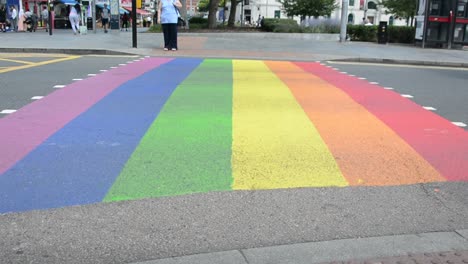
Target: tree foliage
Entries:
(401, 8)
(308, 8)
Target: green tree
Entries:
(308, 8)
(401, 8)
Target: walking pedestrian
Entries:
(125, 22)
(168, 15)
(45, 18)
(75, 18)
(105, 17)
(14, 19)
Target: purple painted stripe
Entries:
(24, 130)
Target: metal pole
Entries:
(93, 8)
(50, 18)
(134, 24)
(344, 20)
(242, 13)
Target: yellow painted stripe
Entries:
(274, 143)
(17, 61)
(37, 64)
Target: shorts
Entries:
(105, 21)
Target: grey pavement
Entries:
(306, 225)
(259, 45)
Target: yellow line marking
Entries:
(17, 61)
(38, 64)
(31, 55)
(274, 143)
(399, 65)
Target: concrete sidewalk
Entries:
(437, 247)
(271, 46)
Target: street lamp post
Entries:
(344, 20)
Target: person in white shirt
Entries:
(105, 18)
(45, 18)
(14, 19)
(75, 18)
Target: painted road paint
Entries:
(59, 86)
(8, 111)
(371, 143)
(286, 120)
(436, 139)
(37, 97)
(460, 124)
(430, 108)
(79, 163)
(188, 148)
(32, 124)
(407, 95)
(274, 144)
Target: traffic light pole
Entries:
(134, 24)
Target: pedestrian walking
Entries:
(125, 22)
(105, 17)
(45, 18)
(14, 19)
(3, 16)
(75, 18)
(168, 15)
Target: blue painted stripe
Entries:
(79, 163)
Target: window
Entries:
(371, 5)
(351, 2)
(390, 20)
(277, 13)
(350, 19)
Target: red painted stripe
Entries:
(439, 19)
(442, 144)
(461, 20)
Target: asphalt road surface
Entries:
(162, 157)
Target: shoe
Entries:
(166, 49)
(173, 49)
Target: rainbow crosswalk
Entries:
(163, 127)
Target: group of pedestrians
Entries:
(21, 21)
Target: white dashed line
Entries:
(430, 108)
(121, 64)
(336, 69)
(460, 124)
(129, 61)
(147, 56)
(317, 62)
(407, 95)
(113, 67)
(59, 86)
(352, 75)
(388, 88)
(91, 74)
(344, 72)
(362, 78)
(37, 97)
(102, 70)
(373, 82)
(7, 111)
(77, 79)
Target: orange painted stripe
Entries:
(367, 151)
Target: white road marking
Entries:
(91, 74)
(59, 86)
(77, 79)
(460, 124)
(373, 82)
(7, 111)
(113, 67)
(102, 70)
(343, 72)
(388, 88)
(430, 108)
(407, 95)
(37, 97)
(122, 64)
(362, 78)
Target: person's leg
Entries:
(173, 36)
(165, 28)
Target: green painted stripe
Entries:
(187, 149)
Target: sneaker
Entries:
(173, 49)
(166, 49)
